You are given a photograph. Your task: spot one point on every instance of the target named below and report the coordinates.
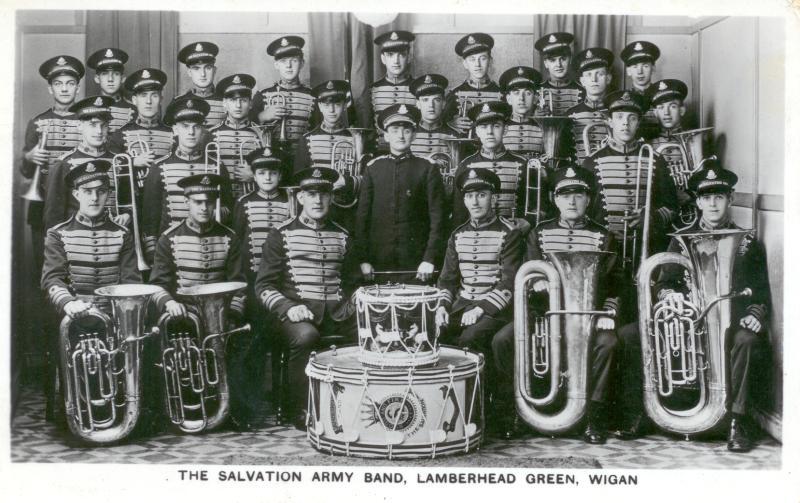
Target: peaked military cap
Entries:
(93, 106)
(473, 44)
(594, 57)
(336, 89)
(290, 45)
(397, 40)
(399, 113)
(202, 183)
(489, 112)
(556, 43)
(267, 157)
(146, 79)
(478, 179)
(712, 178)
(239, 83)
(110, 58)
(431, 83)
(316, 178)
(197, 52)
(666, 90)
(570, 178)
(629, 101)
(186, 109)
(89, 172)
(61, 65)
(640, 51)
(520, 76)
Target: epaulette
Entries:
(62, 224)
(243, 197)
(171, 228)
(67, 153)
(384, 156)
(507, 222)
(285, 223)
(341, 228)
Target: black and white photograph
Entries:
(296, 249)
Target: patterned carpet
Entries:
(35, 440)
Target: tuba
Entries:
(193, 358)
(567, 326)
(34, 192)
(125, 184)
(686, 348)
(101, 365)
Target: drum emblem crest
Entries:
(408, 413)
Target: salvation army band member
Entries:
(304, 279)
(109, 67)
(522, 134)
(556, 52)
(640, 62)
(432, 131)
(482, 257)
(200, 59)
(594, 74)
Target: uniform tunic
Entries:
(679, 173)
(472, 92)
(401, 219)
(427, 142)
(128, 138)
(82, 255)
(582, 115)
(122, 112)
(255, 214)
(564, 97)
(233, 139)
(163, 202)
(186, 256)
(216, 113)
(381, 95)
(523, 136)
(649, 126)
(299, 102)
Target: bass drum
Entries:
(395, 413)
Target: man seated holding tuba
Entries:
(712, 188)
(574, 232)
(482, 257)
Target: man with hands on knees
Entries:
(482, 257)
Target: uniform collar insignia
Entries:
(393, 36)
(330, 85)
(570, 173)
(402, 110)
(145, 74)
(61, 61)
(90, 168)
(284, 42)
(109, 53)
(711, 175)
(470, 39)
(589, 54)
(520, 71)
(662, 86)
(205, 181)
(98, 102)
(473, 174)
(198, 47)
(485, 108)
(189, 104)
(428, 79)
(317, 173)
(552, 39)
(637, 47)
(237, 80)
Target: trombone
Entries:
(626, 259)
(122, 168)
(212, 149)
(34, 192)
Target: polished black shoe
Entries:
(738, 438)
(299, 420)
(593, 435)
(632, 429)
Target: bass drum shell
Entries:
(395, 413)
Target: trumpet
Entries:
(193, 358)
(629, 250)
(546, 104)
(34, 192)
(247, 186)
(101, 363)
(125, 176)
(278, 99)
(212, 150)
(464, 104)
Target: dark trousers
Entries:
(744, 349)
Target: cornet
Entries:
(247, 186)
(125, 176)
(587, 130)
(464, 104)
(278, 99)
(212, 150)
(34, 192)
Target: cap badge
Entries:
(552, 39)
(109, 53)
(284, 42)
(90, 168)
(317, 173)
(393, 36)
(98, 102)
(626, 96)
(589, 54)
(61, 61)
(237, 80)
(470, 39)
(198, 47)
(145, 74)
(570, 173)
(402, 110)
(485, 108)
(662, 86)
(711, 175)
(428, 79)
(267, 152)
(189, 104)
(520, 71)
(473, 174)
(637, 47)
(330, 85)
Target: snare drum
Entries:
(396, 325)
(395, 413)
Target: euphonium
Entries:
(212, 151)
(568, 326)
(687, 347)
(125, 199)
(193, 358)
(34, 192)
(453, 158)
(100, 365)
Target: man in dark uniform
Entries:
(712, 188)
(573, 231)
(393, 88)
(316, 149)
(295, 104)
(236, 136)
(522, 135)
(109, 67)
(163, 202)
(482, 257)
(199, 251)
(48, 135)
(145, 138)
(93, 115)
(200, 59)
(475, 51)
(640, 61)
(559, 92)
(304, 278)
(85, 252)
(594, 70)
(512, 200)
(401, 219)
